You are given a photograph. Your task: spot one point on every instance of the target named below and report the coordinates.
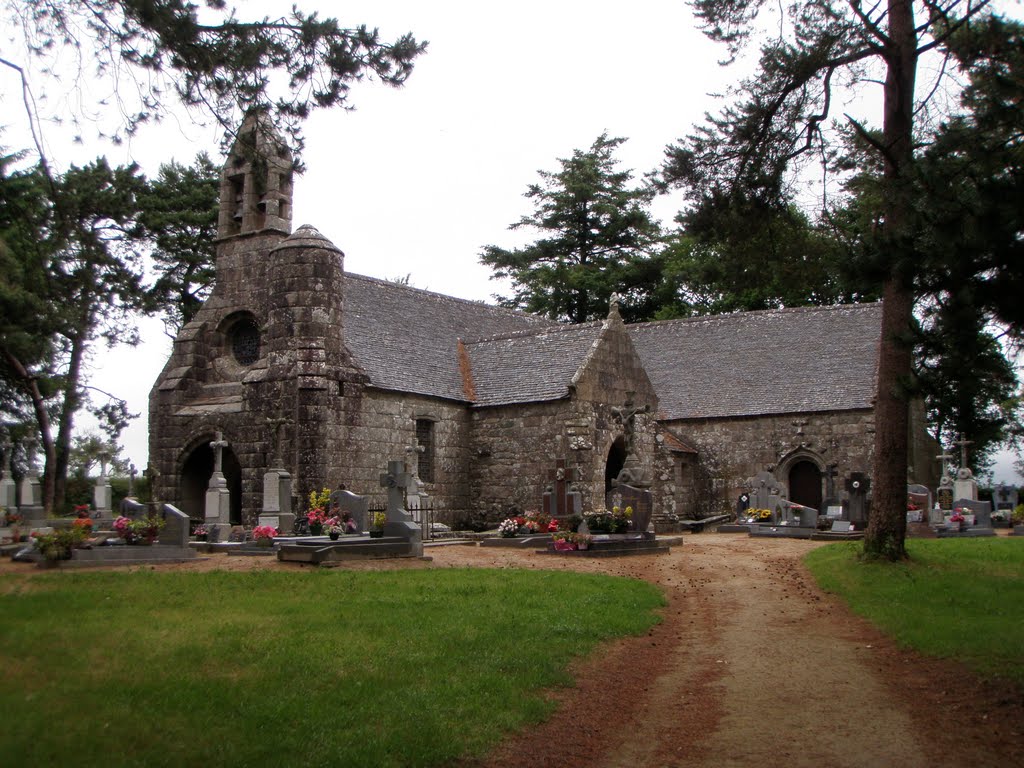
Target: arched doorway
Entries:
(195, 479)
(616, 461)
(805, 484)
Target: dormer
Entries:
(256, 183)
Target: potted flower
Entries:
(334, 527)
(201, 533)
(143, 530)
(583, 540)
(377, 525)
(957, 519)
(263, 535)
(508, 528)
(564, 541)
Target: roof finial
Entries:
(613, 306)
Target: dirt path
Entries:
(751, 666)
(754, 666)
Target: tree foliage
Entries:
(147, 54)
(178, 216)
(76, 278)
(785, 115)
(597, 238)
(739, 254)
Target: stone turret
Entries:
(305, 317)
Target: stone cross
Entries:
(104, 457)
(830, 481)
(6, 454)
(963, 443)
(558, 500)
(414, 452)
(278, 427)
(31, 446)
(153, 474)
(132, 472)
(396, 480)
(944, 458)
(218, 444)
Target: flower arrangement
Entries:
(567, 541)
(759, 515)
(378, 520)
(143, 529)
(602, 521)
(957, 517)
(201, 532)
(83, 523)
(11, 518)
(58, 545)
(508, 527)
(263, 535)
(81, 510)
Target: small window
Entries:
(425, 439)
(245, 342)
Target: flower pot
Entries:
(264, 542)
(334, 536)
(315, 529)
(376, 534)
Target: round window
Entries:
(245, 342)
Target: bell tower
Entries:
(256, 183)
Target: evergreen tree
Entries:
(178, 215)
(783, 117)
(597, 238)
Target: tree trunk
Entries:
(887, 527)
(42, 421)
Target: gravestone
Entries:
(101, 493)
(767, 493)
(399, 522)
(276, 507)
(562, 498)
(842, 526)
(965, 486)
(742, 505)
(31, 506)
(1005, 499)
(858, 484)
(354, 505)
(175, 530)
(8, 488)
(218, 497)
(831, 505)
(920, 497)
(640, 499)
(982, 511)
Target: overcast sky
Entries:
(417, 180)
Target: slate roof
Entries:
(756, 363)
(406, 339)
(531, 366)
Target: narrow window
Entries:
(425, 440)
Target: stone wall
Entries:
(732, 450)
(515, 447)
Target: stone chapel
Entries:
(330, 375)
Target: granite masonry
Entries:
(326, 376)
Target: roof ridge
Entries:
(442, 297)
(739, 315)
(525, 332)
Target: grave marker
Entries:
(218, 497)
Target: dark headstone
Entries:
(742, 505)
(944, 497)
(561, 499)
(857, 486)
(175, 530)
(640, 499)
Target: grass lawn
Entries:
(319, 667)
(959, 598)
